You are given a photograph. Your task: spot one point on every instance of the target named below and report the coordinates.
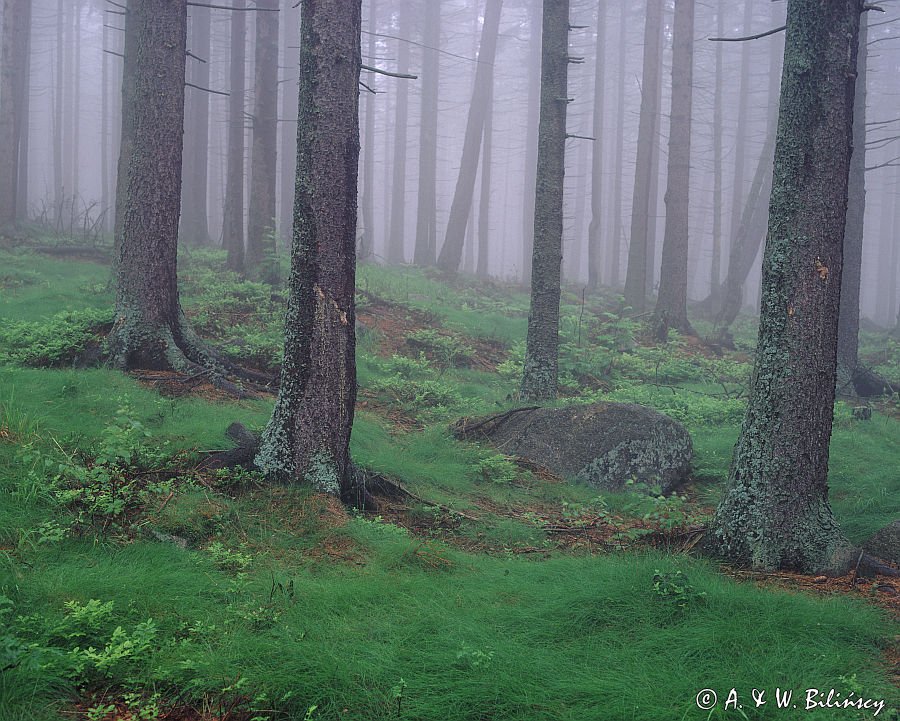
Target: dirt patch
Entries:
(170, 384)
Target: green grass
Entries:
(336, 613)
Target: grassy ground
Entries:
(283, 605)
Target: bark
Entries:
(461, 207)
(396, 254)
(307, 439)
(13, 92)
(264, 155)
(367, 244)
(539, 380)
(233, 217)
(636, 274)
(671, 305)
(594, 229)
(194, 224)
(484, 202)
(531, 140)
(426, 221)
(848, 324)
(775, 511)
(290, 45)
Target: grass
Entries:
(281, 602)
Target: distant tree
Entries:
(541, 372)
(531, 132)
(233, 220)
(264, 155)
(775, 511)
(638, 260)
(307, 440)
(426, 221)
(396, 246)
(594, 229)
(484, 200)
(461, 207)
(367, 242)
(615, 245)
(671, 305)
(13, 102)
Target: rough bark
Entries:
(194, 226)
(13, 90)
(636, 273)
(425, 252)
(233, 217)
(596, 224)
(461, 207)
(396, 251)
(775, 511)
(671, 305)
(307, 439)
(539, 379)
(264, 156)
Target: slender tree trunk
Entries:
(671, 305)
(461, 208)
(636, 275)
(233, 217)
(308, 437)
(194, 223)
(76, 106)
(58, 182)
(105, 194)
(531, 136)
(367, 245)
(264, 155)
(287, 122)
(426, 219)
(594, 229)
(851, 277)
(539, 380)
(24, 127)
(13, 91)
(615, 256)
(775, 511)
(715, 269)
(484, 202)
(740, 138)
(396, 251)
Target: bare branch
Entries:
(379, 71)
(205, 90)
(749, 37)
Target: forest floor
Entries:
(136, 585)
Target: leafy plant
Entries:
(674, 588)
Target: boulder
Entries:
(603, 444)
(885, 544)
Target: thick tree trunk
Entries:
(264, 156)
(233, 217)
(775, 511)
(594, 229)
(636, 274)
(539, 380)
(194, 223)
(671, 306)
(531, 133)
(426, 218)
(308, 437)
(461, 207)
(150, 330)
(851, 277)
(13, 91)
(396, 249)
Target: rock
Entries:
(604, 444)
(885, 544)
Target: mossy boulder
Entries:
(885, 544)
(602, 444)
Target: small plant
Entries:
(674, 588)
(397, 694)
(227, 559)
(498, 469)
(473, 658)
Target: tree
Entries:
(541, 371)
(638, 262)
(671, 305)
(775, 511)
(13, 92)
(461, 207)
(426, 221)
(233, 220)
(264, 155)
(194, 222)
(396, 247)
(594, 265)
(531, 129)
(307, 439)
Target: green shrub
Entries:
(52, 342)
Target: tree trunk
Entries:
(531, 133)
(594, 229)
(848, 324)
(13, 90)
(233, 217)
(636, 274)
(396, 251)
(740, 138)
(715, 268)
(484, 202)
(264, 155)
(426, 218)
(58, 182)
(150, 330)
(775, 511)
(194, 224)
(461, 208)
(615, 253)
(671, 305)
(307, 439)
(290, 45)
(367, 244)
(539, 380)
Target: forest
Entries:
(449, 360)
